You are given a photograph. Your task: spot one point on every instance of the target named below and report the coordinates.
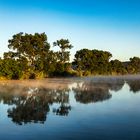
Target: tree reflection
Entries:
(91, 91)
(31, 105)
(87, 93)
(115, 84)
(134, 85)
(32, 109)
(64, 108)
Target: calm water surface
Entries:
(76, 108)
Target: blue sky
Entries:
(111, 25)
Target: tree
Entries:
(11, 69)
(135, 63)
(33, 55)
(117, 67)
(101, 60)
(30, 47)
(63, 55)
(94, 61)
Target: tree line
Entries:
(31, 56)
(94, 62)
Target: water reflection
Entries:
(35, 106)
(32, 109)
(31, 104)
(63, 110)
(95, 91)
(134, 85)
(88, 92)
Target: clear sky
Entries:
(111, 25)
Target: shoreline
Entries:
(135, 76)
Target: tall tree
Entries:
(63, 44)
(31, 47)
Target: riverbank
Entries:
(62, 81)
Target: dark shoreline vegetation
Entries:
(30, 57)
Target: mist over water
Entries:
(71, 108)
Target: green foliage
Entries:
(63, 55)
(30, 47)
(93, 61)
(11, 69)
(30, 57)
(135, 64)
(63, 69)
(117, 67)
